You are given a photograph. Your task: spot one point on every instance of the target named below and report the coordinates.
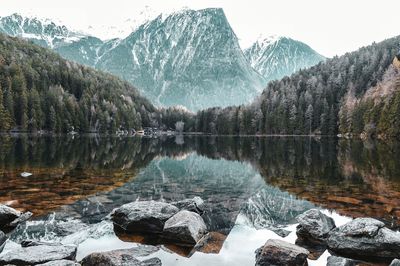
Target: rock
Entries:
(315, 249)
(7, 216)
(121, 257)
(365, 237)
(152, 262)
(280, 232)
(395, 262)
(194, 205)
(339, 261)
(37, 254)
(314, 225)
(279, 252)
(185, 228)
(60, 263)
(143, 216)
(3, 239)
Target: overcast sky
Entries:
(332, 27)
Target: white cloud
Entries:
(329, 26)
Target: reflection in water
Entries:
(256, 182)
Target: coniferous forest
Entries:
(42, 91)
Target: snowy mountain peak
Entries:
(275, 56)
(42, 31)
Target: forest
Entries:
(41, 91)
(314, 101)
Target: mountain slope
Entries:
(309, 102)
(42, 32)
(41, 90)
(276, 57)
(190, 58)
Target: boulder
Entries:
(365, 237)
(37, 254)
(195, 204)
(339, 261)
(121, 257)
(60, 263)
(9, 217)
(395, 262)
(3, 239)
(314, 225)
(279, 252)
(184, 228)
(143, 216)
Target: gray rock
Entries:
(365, 237)
(194, 205)
(185, 228)
(7, 216)
(121, 257)
(37, 254)
(143, 216)
(314, 225)
(339, 261)
(152, 262)
(3, 239)
(279, 252)
(395, 262)
(60, 263)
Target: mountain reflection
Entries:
(354, 178)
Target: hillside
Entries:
(189, 58)
(309, 101)
(276, 57)
(41, 90)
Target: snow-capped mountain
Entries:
(43, 32)
(190, 58)
(275, 57)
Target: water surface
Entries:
(254, 186)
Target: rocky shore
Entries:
(362, 241)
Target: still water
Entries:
(255, 187)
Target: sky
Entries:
(331, 27)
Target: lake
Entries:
(254, 186)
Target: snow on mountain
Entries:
(41, 31)
(275, 57)
(190, 58)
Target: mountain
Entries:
(356, 94)
(275, 57)
(190, 58)
(41, 90)
(41, 31)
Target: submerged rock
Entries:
(121, 257)
(185, 228)
(9, 217)
(143, 216)
(195, 204)
(365, 237)
(279, 252)
(37, 254)
(314, 225)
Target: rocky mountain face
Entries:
(42, 32)
(276, 57)
(189, 58)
